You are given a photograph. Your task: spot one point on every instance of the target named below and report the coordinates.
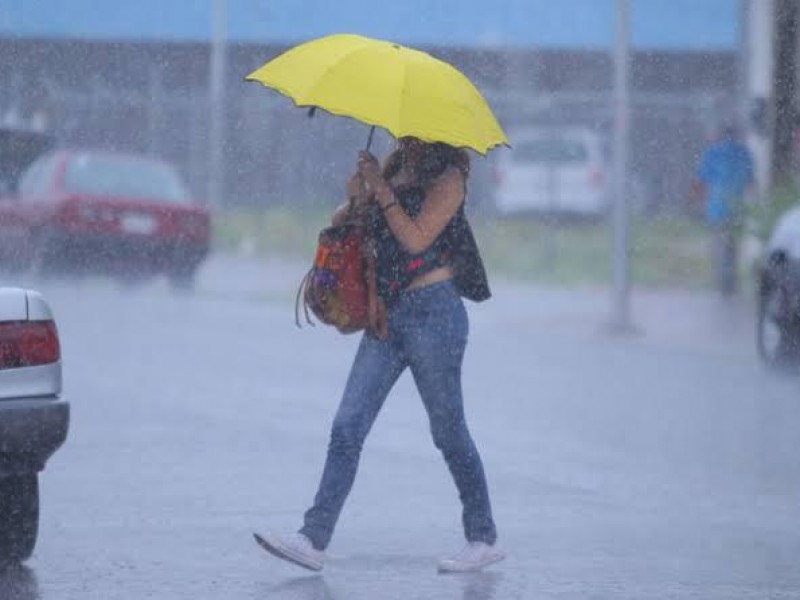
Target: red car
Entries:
(90, 211)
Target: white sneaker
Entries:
(473, 557)
(295, 548)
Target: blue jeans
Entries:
(428, 329)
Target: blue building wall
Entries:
(656, 24)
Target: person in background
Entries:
(724, 177)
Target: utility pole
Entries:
(156, 97)
(216, 137)
(620, 320)
(787, 25)
(759, 59)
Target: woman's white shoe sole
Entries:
(279, 550)
(454, 567)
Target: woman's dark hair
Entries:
(434, 159)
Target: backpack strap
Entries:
(300, 294)
(369, 253)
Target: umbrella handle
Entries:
(313, 109)
(369, 139)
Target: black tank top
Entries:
(455, 247)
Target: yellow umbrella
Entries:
(405, 91)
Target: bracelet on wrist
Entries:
(386, 207)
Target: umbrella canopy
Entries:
(405, 91)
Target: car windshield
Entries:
(550, 150)
(125, 177)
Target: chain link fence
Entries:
(274, 154)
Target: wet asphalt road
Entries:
(658, 465)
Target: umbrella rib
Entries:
(319, 84)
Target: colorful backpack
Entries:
(341, 286)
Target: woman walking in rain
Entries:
(427, 260)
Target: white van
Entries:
(552, 172)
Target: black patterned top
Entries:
(455, 247)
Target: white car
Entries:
(34, 418)
(778, 330)
(552, 172)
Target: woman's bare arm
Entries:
(442, 200)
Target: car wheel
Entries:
(19, 516)
(778, 339)
(182, 278)
(44, 254)
(16, 261)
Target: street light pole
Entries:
(217, 104)
(620, 321)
